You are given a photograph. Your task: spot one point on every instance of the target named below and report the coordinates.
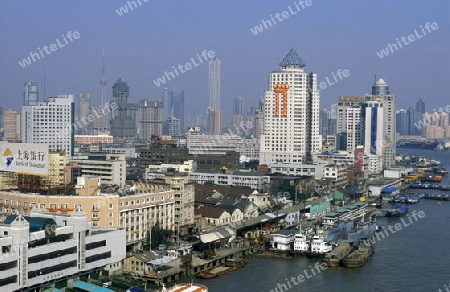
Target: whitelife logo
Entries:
(411, 38)
(53, 47)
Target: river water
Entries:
(414, 258)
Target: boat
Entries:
(361, 229)
(229, 266)
(318, 247)
(301, 243)
(334, 257)
(358, 257)
(399, 210)
(186, 287)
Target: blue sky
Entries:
(150, 39)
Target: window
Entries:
(110, 206)
(95, 207)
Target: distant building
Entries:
(420, 106)
(171, 127)
(123, 122)
(84, 110)
(30, 94)
(93, 139)
(150, 118)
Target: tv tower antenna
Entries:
(103, 80)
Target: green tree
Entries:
(159, 236)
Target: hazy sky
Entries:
(156, 35)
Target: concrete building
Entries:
(111, 168)
(94, 139)
(348, 116)
(199, 143)
(30, 94)
(150, 118)
(50, 122)
(213, 121)
(214, 114)
(187, 166)
(44, 248)
(84, 110)
(291, 114)
(123, 119)
(254, 180)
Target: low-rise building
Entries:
(254, 180)
(283, 239)
(44, 248)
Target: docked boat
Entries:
(301, 243)
(318, 247)
(229, 266)
(361, 230)
(187, 287)
(358, 257)
(334, 257)
(398, 211)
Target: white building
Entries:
(111, 168)
(44, 248)
(249, 149)
(187, 166)
(380, 91)
(348, 116)
(252, 180)
(50, 122)
(291, 114)
(199, 143)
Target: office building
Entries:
(84, 110)
(213, 113)
(380, 90)
(420, 106)
(291, 114)
(150, 118)
(50, 122)
(30, 94)
(123, 122)
(11, 126)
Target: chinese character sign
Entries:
(26, 158)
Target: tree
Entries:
(159, 236)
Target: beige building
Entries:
(184, 200)
(11, 126)
(135, 211)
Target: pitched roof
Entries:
(210, 212)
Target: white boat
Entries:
(301, 243)
(186, 287)
(318, 247)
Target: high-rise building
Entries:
(167, 98)
(11, 126)
(420, 106)
(380, 90)
(406, 121)
(342, 111)
(239, 106)
(1, 124)
(178, 109)
(84, 126)
(50, 122)
(213, 112)
(291, 114)
(372, 126)
(150, 118)
(353, 132)
(213, 121)
(30, 94)
(123, 122)
(171, 127)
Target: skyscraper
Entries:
(420, 106)
(178, 109)
(167, 98)
(30, 94)
(214, 95)
(344, 108)
(372, 121)
(50, 122)
(237, 118)
(239, 106)
(380, 90)
(123, 122)
(84, 109)
(150, 118)
(291, 114)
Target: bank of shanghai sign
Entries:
(24, 158)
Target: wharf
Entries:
(175, 272)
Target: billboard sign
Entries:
(24, 158)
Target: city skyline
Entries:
(76, 67)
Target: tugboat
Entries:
(398, 211)
(358, 257)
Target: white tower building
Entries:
(291, 114)
(50, 122)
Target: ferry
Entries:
(318, 247)
(301, 243)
